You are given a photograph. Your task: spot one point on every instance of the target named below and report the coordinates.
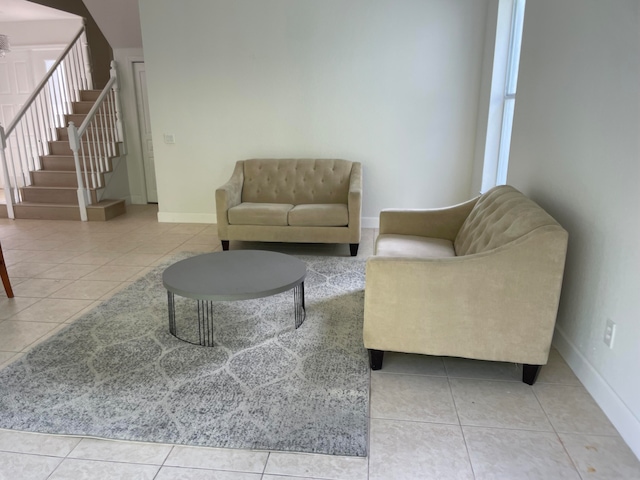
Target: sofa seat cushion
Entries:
(319, 215)
(392, 245)
(259, 214)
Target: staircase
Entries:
(59, 154)
(53, 191)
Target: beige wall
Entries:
(575, 150)
(393, 84)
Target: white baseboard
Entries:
(611, 404)
(168, 217)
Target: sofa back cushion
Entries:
(296, 181)
(500, 216)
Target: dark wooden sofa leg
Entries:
(225, 244)
(530, 373)
(354, 249)
(5, 276)
(375, 359)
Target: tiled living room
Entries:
(430, 417)
(407, 89)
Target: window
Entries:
(503, 92)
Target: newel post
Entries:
(8, 194)
(86, 53)
(74, 144)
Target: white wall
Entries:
(575, 150)
(392, 83)
(41, 32)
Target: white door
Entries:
(144, 124)
(16, 84)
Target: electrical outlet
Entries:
(609, 333)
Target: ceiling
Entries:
(22, 11)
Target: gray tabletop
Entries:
(234, 275)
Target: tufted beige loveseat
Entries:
(478, 280)
(291, 200)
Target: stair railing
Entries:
(28, 135)
(96, 141)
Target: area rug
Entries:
(117, 373)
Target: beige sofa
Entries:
(291, 200)
(478, 280)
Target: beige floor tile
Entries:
(317, 466)
(95, 258)
(72, 469)
(11, 257)
(136, 259)
(91, 306)
(572, 410)
(115, 247)
(175, 473)
(191, 229)
(24, 269)
(204, 239)
(10, 306)
(116, 451)
(486, 403)
(557, 371)
(38, 245)
(36, 443)
(54, 310)
(158, 249)
(479, 369)
(85, 290)
(412, 397)
(417, 451)
(39, 287)
(56, 257)
(54, 331)
(6, 358)
(19, 466)
(74, 246)
(498, 454)
(114, 273)
(218, 458)
(413, 364)
(68, 271)
(602, 458)
(16, 336)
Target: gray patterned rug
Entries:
(117, 373)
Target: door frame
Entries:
(139, 118)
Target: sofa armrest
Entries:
(436, 222)
(497, 305)
(227, 196)
(354, 201)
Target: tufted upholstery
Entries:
(291, 200)
(479, 280)
(296, 181)
(501, 216)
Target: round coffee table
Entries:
(232, 275)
